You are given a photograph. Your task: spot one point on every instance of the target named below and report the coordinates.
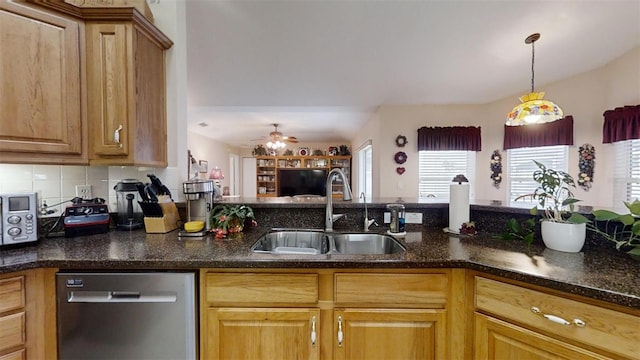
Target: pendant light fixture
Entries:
(533, 109)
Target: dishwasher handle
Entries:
(121, 297)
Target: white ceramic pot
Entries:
(565, 237)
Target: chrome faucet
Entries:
(346, 196)
(367, 222)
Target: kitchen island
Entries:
(456, 290)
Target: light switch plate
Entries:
(413, 218)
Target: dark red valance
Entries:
(449, 138)
(621, 124)
(559, 132)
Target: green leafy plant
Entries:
(625, 228)
(226, 218)
(554, 195)
(519, 230)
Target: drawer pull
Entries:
(340, 333)
(558, 319)
(313, 331)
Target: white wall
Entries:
(585, 96)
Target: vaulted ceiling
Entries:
(320, 68)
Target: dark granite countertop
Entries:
(604, 274)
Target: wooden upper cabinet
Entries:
(126, 93)
(41, 114)
(81, 85)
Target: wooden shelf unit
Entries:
(267, 170)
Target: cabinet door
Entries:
(126, 95)
(259, 333)
(389, 334)
(499, 340)
(109, 87)
(40, 86)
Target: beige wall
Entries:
(585, 96)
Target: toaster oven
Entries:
(19, 215)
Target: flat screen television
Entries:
(293, 182)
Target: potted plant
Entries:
(229, 219)
(562, 229)
(622, 229)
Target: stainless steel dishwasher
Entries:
(126, 315)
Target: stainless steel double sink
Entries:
(315, 242)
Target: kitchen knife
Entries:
(160, 188)
(151, 209)
(143, 194)
(151, 193)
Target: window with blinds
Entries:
(436, 169)
(521, 168)
(627, 171)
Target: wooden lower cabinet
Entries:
(325, 314)
(260, 333)
(521, 321)
(499, 340)
(389, 334)
(28, 315)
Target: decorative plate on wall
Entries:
(303, 151)
(400, 157)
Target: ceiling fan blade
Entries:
(292, 140)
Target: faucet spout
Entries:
(367, 222)
(346, 196)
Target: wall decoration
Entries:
(586, 164)
(400, 170)
(496, 168)
(400, 157)
(204, 166)
(401, 141)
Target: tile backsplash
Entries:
(56, 184)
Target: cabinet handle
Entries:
(558, 319)
(313, 331)
(116, 136)
(340, 333)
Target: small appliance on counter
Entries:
(397, 223)
(19, 216)
(86, 217)
(199, 195)
(129, 216)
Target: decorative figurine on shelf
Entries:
(496, 168)
(288, 152)
(333, 150)
(344, 150)
(259, 150)
(586, 164)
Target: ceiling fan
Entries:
(277, 140)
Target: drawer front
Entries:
(255, 288)
(412, 290)
(603, 328)
(12, 293)
(12, 331)
(16, 355)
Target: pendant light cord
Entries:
(533, 58)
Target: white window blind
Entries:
(521, 168)
(436, 169)
(627, 171)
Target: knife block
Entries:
(168, 221)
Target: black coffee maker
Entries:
(130, 216)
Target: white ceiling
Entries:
(320, 68)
